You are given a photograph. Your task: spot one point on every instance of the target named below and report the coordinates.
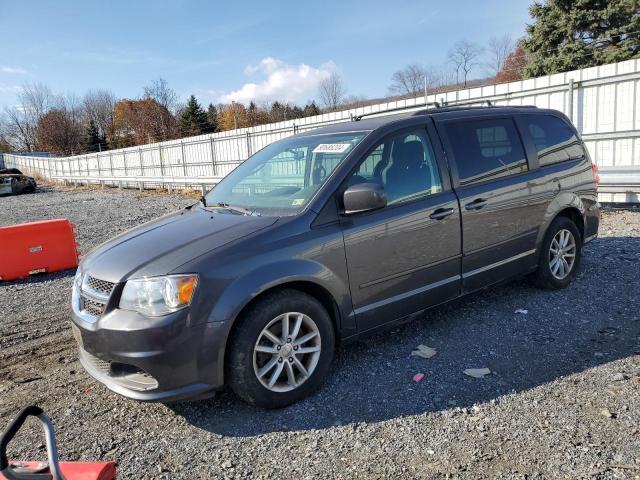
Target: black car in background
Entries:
(13, 182)
(326, 236)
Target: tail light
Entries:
(596, 175)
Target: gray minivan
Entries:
(328, 235)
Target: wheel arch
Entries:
(310, 278)
(567, 205)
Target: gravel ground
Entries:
(562, 401)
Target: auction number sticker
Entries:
(331, 148)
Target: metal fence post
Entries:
(184, 163)
(248, 144)
(212, 146)
(570, 100)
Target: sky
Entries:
(240, 50)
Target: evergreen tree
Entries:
(571, 34)
(277, 112)
(311, 109)
(212, 118)
(193, 120)
(91, 139)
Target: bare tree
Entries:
(355, 101)
(464, 56)
(161, 92)
(20, 122)
(412, 80)
(331, 91)
(99, 106)
(498, 51)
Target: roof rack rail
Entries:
(441, 107)
(357, 118)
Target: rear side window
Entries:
(555, 141)
(486, 149)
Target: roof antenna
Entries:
(489, 104)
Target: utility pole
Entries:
(425, 89)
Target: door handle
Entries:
(441, 213)
(477, 204)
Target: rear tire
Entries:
(559, 256)
(266, 365)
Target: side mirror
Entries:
(363, 197)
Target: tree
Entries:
(57, 133)
(513, 68)
(35, 100)
(464, 56)
(499, 50)
(233, 116)
(142, 121)
(99, 106)
(91, 139)
(161, 92)
(256, 115)
(571, 34)
(193, 120)
(331, 91)
(310, 110)
(212, 118)
(412, 79)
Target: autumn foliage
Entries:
(142, 121)
(514, 64)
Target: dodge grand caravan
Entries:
(326, 235)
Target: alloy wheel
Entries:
(287, 352)
(562, 254)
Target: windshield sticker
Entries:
(331, 148)
(297, 202)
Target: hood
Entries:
(160, 246)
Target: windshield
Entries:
(282, 178)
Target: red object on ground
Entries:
(80, 470)
(46, 246)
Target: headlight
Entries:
(158, 295)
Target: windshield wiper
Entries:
(203, 201)
(234, 208)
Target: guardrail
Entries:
(603, 102)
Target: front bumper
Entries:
(152, 359)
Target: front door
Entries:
(405, 257)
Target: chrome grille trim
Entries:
(98, 285)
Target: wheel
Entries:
(281, 349)
(559, 256)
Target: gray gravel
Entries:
(563, 399)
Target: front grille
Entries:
(98, 285)
(94, 295)
(90, 306)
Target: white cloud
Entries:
(10, 88)
(6, 69)
(281, 82)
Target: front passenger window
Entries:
(404, 164)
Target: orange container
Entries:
(28, 248)
(73, 470)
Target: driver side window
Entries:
(404, 164)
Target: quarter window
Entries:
(404, 164)
(555, 141)
(486, 149)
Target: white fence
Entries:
(603, 102)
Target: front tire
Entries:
(281, 349)
(560, 254)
